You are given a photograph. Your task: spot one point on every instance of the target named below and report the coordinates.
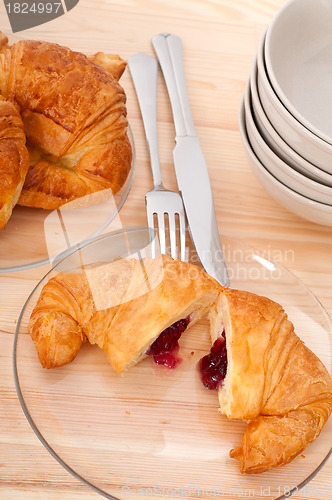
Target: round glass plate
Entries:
(34, 236)
(154, 432)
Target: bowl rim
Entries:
(282, 111)
(299, 198)
(274, 80)
(303, 163)
(279, 164)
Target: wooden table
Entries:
(220, 38)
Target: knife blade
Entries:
(189, 162)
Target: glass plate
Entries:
(153, 432)
(34, 236)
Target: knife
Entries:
(189, 162)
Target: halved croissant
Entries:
(14, 158)
(74, 115)
(123, 307)
(272, 379)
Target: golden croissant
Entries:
(265, 374)
(74, 115)
(14, 158)
(129, 308)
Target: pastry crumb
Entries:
(165, 422)
(192, 353)
(128, 412)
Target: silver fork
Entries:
(160, 201)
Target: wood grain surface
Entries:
(220, 38)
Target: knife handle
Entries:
(169, 52)
(143, 69)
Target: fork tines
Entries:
(166, 216)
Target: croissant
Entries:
(270, 378)
(129, 308)
(74, 115)
(14, 158)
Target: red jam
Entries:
(165, 347)
(213, 366)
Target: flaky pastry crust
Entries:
(14, 158)
(273, 380)
(74, 115)
(122, 307)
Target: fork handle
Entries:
(143, 70)
(169, 52)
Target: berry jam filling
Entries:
(165, 347)
(213, 366)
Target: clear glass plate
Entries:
(34, 236)
(153, 432)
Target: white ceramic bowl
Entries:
(276, 143)
(300, 205)
(299, 138)
(298, 54)
(278, 168)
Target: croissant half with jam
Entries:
(74, 115)
(270, 377)
(129, 308)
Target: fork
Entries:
(166, 205)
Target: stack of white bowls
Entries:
(286, 111)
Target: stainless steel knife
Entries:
(189, 162)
